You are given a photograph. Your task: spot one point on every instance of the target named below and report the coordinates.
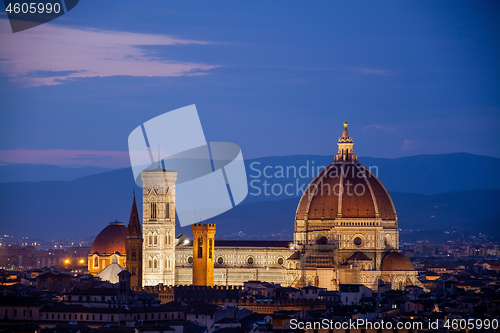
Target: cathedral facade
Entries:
(345, 231)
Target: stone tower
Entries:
(133, 248)
(158, 221)
(203, 254)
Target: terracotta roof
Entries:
(252, 243)
(363, 195)
(111, 239)
(395, 261)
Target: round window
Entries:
(358, 241)
(250, 260)
(220, 260)
(190, 260)
(280, 261)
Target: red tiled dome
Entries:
(360, 193)
(111, 239)
(395, 261)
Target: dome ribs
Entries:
(385, 206)
(357, 200)
(110, 240)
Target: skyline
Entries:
(411, 78)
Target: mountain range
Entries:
(446, 192)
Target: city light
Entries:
(82, 261)
(66, 261)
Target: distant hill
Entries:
(474, 210)
(40, 172)
(83, 207)
(423, 174)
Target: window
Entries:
(150, 263)
(210, 248)
(200, 247)
(358, 241)
(280, 261)
(150, 239)
(167, 211)
(155, 263)
(134, 254)
(155, 238)
(153, 210)
(190, 260)
(250, 260)
(96, 262)
(220, 260)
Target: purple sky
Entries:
(275, 78)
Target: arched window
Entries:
(200, 247)
(155, 263)
(167, 211)
(150, 239)
(155, 238)
(96, 261)
(153, 210)
(150, 263)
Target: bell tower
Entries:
(158, 216)
(203, 254)
(133, 249)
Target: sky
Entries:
(276, 78)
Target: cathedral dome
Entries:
(395, 261)
(345, 189)
(111, 239)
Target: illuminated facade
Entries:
(346, 231)
(158, 222)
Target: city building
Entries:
(346, 232)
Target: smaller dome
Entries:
(111, 239)
(395, 261)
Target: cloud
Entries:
(374, 71)
(381, 127)
(410, 145)
(104, 159)
(70, 53)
